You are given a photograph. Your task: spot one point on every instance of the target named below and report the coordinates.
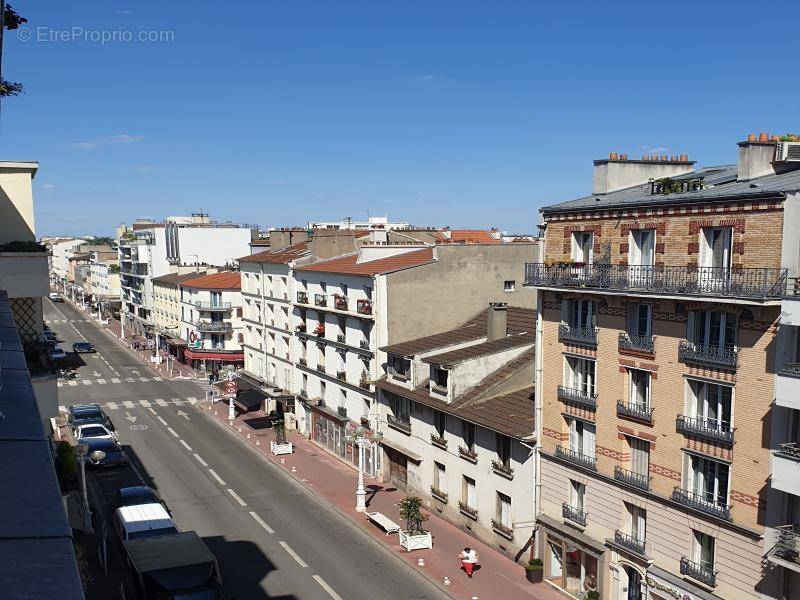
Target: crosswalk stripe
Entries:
(157, 379)
(87, 381)
(112, 405)
(130, 379)
(101, 381)
(143, 379)
(161, 402)
(72, 383)
(145, 403)
(115, 380)
(128, 404)
(191, 400)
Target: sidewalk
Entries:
(335, 481)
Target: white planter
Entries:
(281, 448)
(416, 542)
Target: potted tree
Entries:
(414, 537)
(279, 445)
(534, 570)
(592, 595)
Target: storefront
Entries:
(663, 585)
(329, 431)
(573, 561)
(175, 347)
(213, 362)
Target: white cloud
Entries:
(48, 186)
(143, 168)
(120, 138)
(655, 150)
(123, 12)
(428, 77)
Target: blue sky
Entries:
(438, 112)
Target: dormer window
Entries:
(439, 378)
(399, 366)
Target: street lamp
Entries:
(83, 454)
(362, 438)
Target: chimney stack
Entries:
(496, 321)
(755, 157)
(618, 172)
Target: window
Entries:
(711, 404)
(708, 479)
(504, 509)
(468, 435)
(324, 287)
(368, 292)
(642, 248)
(323, 390)
(439, 377)
(582, 246)
(703, 549)
(342, 322)
(503, 444)
(639, 389)
(637, 521)
(216, 298)
(439, 422)
(439, 477)
(342, 397)
(399, 366)
(715, 248)
(509, 286)
(640, 319)
(577, 491)
(469, 495)
(580, 374)
(712, 328)
(581, 313)
(581, 437)
(640, 456)
(344, 289)
(401, 407)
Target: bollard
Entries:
(258, 442)
(283, 461)
(420, 562)
(294, 469)
(446, 580)
(240, 429)
(248, 436)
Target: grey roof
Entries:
(720, 183)
(450, 359)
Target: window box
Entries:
(301, 327)
(339, 302)
(468, 511)
(500, 529)
(400, 425)
(502, 470)
(698, 572)
(468, 455)
(574, 514)
(319, 330)
(364, 307)
(320, 300)
(438, 441)
(439, 494)
(302, 297)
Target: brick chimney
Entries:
(755, 157)
(496, 321)
(618, 172)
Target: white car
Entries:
(94, 430)
(56, 297)
(143, 520)
(58, 354)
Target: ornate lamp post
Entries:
(83, 454)
(362, 438)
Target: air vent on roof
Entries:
(787, 152)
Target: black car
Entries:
(135, 495)
(88, 414)
(80, 347)
(114, 455)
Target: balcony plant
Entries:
(319, 329)
(592, 595)
(534, 570)
(415, 537)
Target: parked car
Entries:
(49, 336)
(143, 520)
(55, 297)
(114, 454)
(88, 414)
(80, 347)
(139, 494)
(57, 353)
(94, 430)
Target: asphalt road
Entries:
(272, 539)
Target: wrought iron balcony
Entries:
(213, 326)
(698, 572)
(320, 300)
(577, 335)
(302, 297)
(750, 283)
(578, 458)
(791, 369)
(364, 307)
(788, 545)
(502, 470)
(303, 361)
(716, 431)
(467, 510)
(212, 306)
(438, 441)
(723, 357)
(341, 338)
(631, 478)
(701, 503)
(364, 344)
(468, 454)
(638, 344)
(790, 449)
(635, 411)
(576, 396)
(574, 514)
(629, 542)
(402, 425)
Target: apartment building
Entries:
(349, 307)
(104, 275)
(211, 321)
(659, 295)
(457, 414)
(61, 250)
(177, 244)
(167, 308)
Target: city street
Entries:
(272, 538)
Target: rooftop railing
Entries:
(735, 282)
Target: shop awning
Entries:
(177, 342)
(249, 399)
(402, 450)
(676, 587)
(221, 356)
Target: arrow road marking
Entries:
(96, 374)
(130, 417)
(184, 415)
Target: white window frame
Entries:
(633, 389)
(440, 476)
(578, 254)
(582, 436)
(707, 250)
(639, 448)
(503, 509)
(577, 494)
(636, 521)
(700, 403)
(698, 539)
(580, 373)
(470, 497)
(696, 478)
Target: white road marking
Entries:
(173, 432)
(101, 381)
(151, 410)
(162, 421)
(200, 460)
(112, 405)
(219, 479)
(143, 379)
(115, 380)
(324, 585)
(72, 383)
(236, 497)
(128, 404)
(87, 382)
(293, 554)
(261, 522)
(191, 400)
(161, 402)
(157, 379)
(145, 403)
(185, 445)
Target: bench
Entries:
(384, 522)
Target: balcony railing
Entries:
(320, 300)
(635, 411)
(579, 397)
(577, 335)
(716, 431)
(321, 367)
(302, 297)
(735, 282)
(698, 572)
(713, 356)
(574, 514)
(213, 326)
(467, 510)
(502, 470)
(504, 530)
(438, 441)
(791, 369)
(341, 338)
(402, 425)
(631, 478)
(701, 503)
(640, 344)
(341, 375)
(364, 307)
(340, 302)
(788, 545)
(468, 454)
(212, 305)
(629, 542)
(790, 449)
(303, 361)
(578, 458)
(364, 344)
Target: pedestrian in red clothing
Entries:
(469, 558)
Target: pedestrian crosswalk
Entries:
(130, 404)
(104, 381)
(57, 321)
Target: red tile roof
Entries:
(347, 265)
(279, 255)
(228, 280)
(471, 236)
